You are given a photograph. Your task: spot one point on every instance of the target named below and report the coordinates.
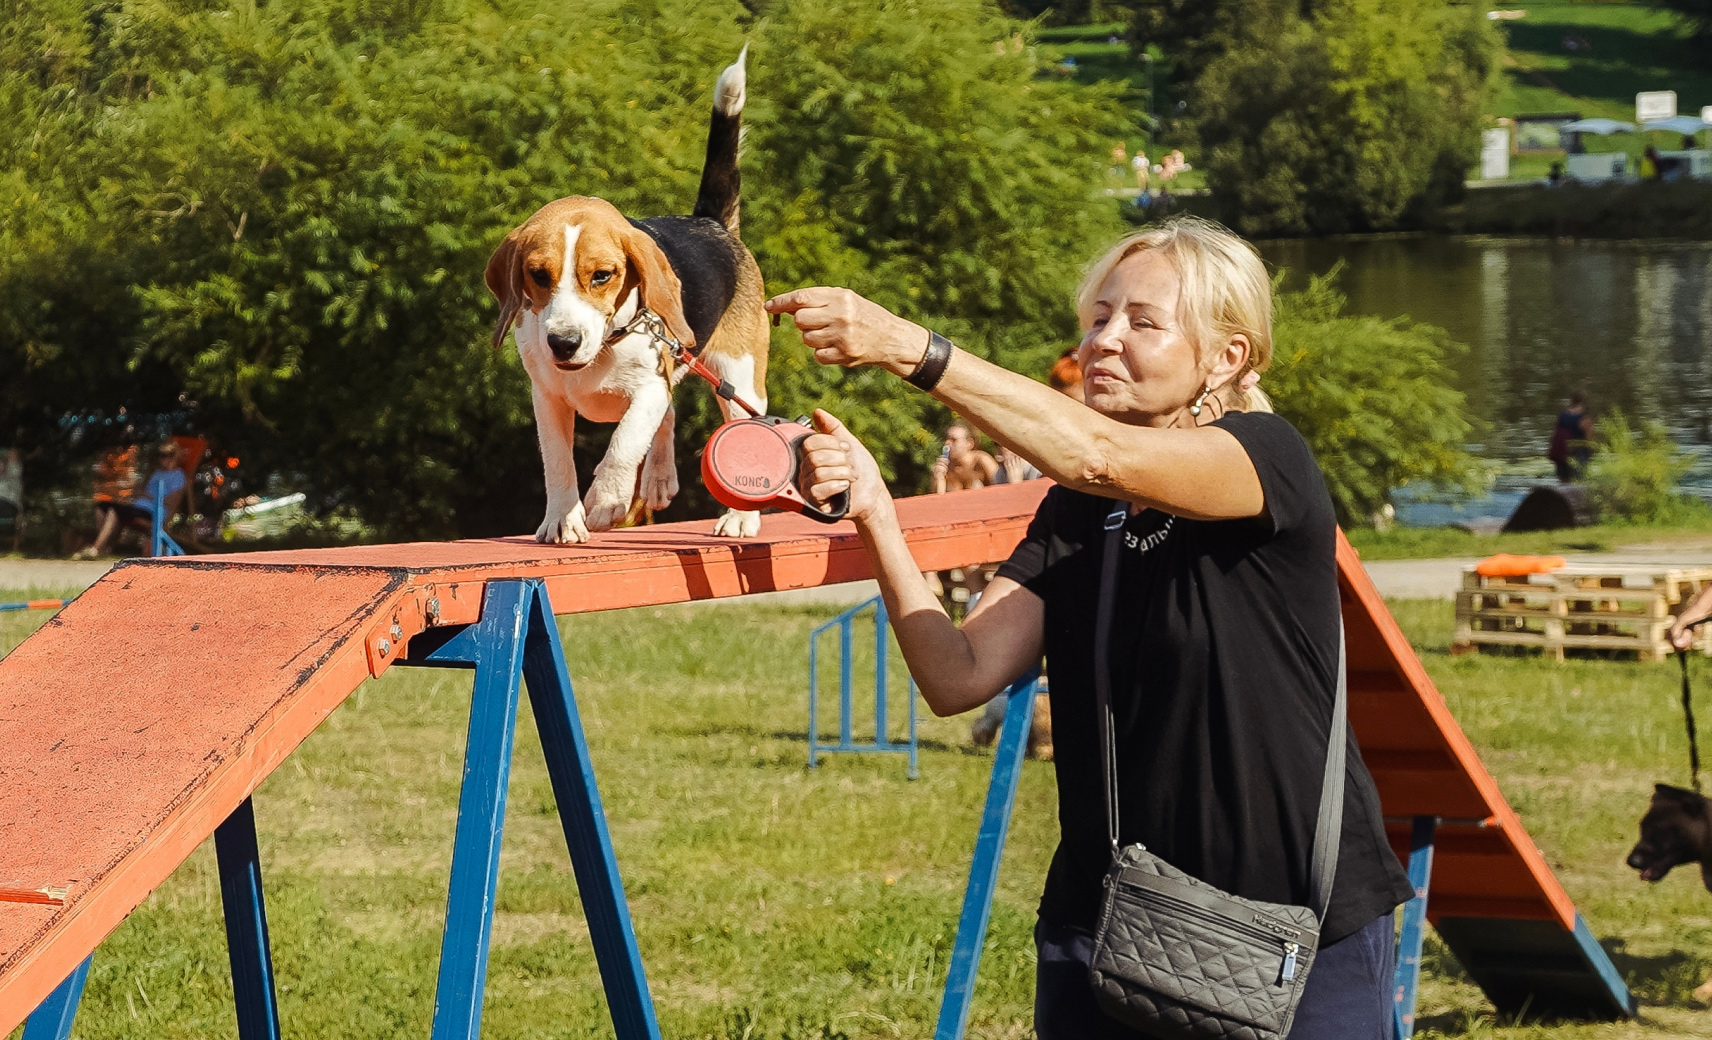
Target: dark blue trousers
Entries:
(1348, 996)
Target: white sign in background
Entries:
(1495, 154)
(1652, 105)
(1706, 114)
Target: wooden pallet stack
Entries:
(1590, 610)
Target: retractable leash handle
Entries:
(753, 464)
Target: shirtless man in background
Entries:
(962, 465)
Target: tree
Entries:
(285, 210)
(1373, 397)
(1695, 17)
(1330, 116)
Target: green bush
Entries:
(1634, 473)
(284, 210)
(1375, 398)
(1341, 116)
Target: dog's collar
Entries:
(626, 317)
(654, 327)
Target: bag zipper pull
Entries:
(1290, 951)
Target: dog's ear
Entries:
(505, 281)
(662, 293)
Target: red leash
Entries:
(651, 323)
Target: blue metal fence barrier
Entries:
(882, 742)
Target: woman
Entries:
(1226, 630)
(166, 485)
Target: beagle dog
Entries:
(590, 291)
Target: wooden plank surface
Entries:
(1498, 868)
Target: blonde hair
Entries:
(1224, 291)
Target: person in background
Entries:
(1142, 169)
(165, 485)
(961, 465)
(1650, 170)
(1571, 440)
(1013, 468)
(1066, 376)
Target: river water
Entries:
(1627, 323)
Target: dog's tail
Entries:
(720, 184)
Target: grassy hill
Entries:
(1621, 49)
(1630, 48)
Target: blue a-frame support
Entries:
(1414, 933)
(984, 868)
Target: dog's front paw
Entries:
(605, 509)
(659, 486)
(738, 523)
(563, 525)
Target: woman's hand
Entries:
(835, 461)
(843, 328)
(1681, 634)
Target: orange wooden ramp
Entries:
(1493, 898)
(149, 709)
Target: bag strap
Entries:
(1102, 659)
(1328, 827)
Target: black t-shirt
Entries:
(1223, 658)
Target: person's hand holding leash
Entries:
(834, 461)
(844, 328)
(1692, 616)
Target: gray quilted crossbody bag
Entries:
(1174, 956)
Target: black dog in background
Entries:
(1676, 831)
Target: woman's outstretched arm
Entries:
(956, 668)
(1200, 473)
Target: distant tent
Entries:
(1552, 508)
(1679, 125)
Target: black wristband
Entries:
(932, 367)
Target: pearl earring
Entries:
(1195, 409)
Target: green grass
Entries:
(1426, 543)
(774, 902)
(1634, 48)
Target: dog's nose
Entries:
(1636, 861)
(564, 345)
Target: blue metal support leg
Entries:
(246, 925)
(813, 702)
(52, 1018)
(161, 543)
(844, 681)
(984, 869)
(592, 856)
(1414, 925)
(518, 639)
(499, 640)
(913, 771)
(880, 677)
